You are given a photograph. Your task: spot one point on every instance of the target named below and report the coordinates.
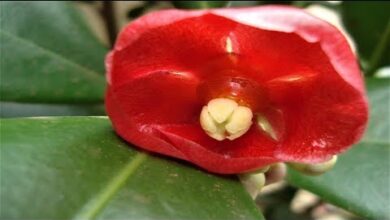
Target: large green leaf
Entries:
(369, 24)
(379, 125)
(359, 182)
(48, 54)
(361, 179)
(76, 167)
(15, 109)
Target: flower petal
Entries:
(183, 43)
(313, 104)
(245, 154)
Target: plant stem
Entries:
(379, 51)
(108, 13)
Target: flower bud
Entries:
(316, 168)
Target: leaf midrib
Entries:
(86, 70)
(96, 204)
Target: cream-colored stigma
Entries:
(223, 118)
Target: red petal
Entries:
(315, 92)
(241, 155)
(183, 44)
(159, 98)
(329, 114)
(294, 20)
(323, 123)
(133, 116)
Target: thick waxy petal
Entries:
(296, 74)
(181, 45)
(159, 98)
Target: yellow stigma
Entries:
(223, 118)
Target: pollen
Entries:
(223, 118)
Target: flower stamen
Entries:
(266, 126)
(223, 118)
(229, 45)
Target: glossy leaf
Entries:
(379, 97)
(369, 24)
(64, 168)
(256, 3)
(50, 55)
(15, 109)
(234, 4)
(360, 180)
(358, 183)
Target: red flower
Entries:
(293, 74)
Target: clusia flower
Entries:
(235, 90)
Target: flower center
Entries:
(224, 118)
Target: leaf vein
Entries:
(97, 203)
(58, 56)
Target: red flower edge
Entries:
(294, 69)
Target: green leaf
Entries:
(50, 56)
(15, 109)
(360, 181)
(77, 168)
(379, 97)
(234, 4)
(369, 24)
(199, 4)
(254, 3)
